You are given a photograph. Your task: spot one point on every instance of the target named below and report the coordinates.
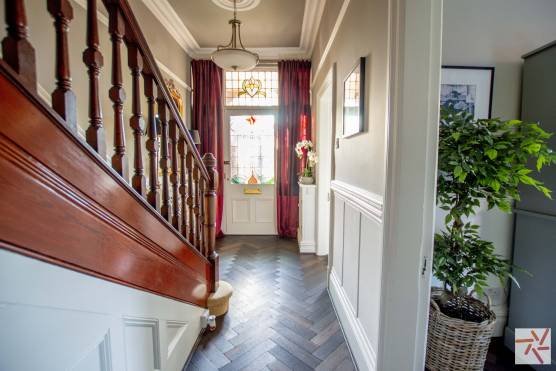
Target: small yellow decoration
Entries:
(252, 179)
(176, 95)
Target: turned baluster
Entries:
(16, 48)
(174, 180)
(165, 208)
(209, 219)
(202, 188)
(152, 142)
(94, 61)
(137, 123)
(196, 206)
(117, 94)
(182, 149)
(63, 98)
(190, 197)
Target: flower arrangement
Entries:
(304, 149)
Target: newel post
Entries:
(209, 218)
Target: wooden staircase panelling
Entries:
(62, 202)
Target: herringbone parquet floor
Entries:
(280, 316)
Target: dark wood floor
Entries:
(500, 358)
(280, 317)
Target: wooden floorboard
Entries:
(280, 316)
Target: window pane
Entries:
(252, 149)
(252, 88)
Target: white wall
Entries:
(497, 33)
(57, 319)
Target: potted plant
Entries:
(304, 151)
(481, 162)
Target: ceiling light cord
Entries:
(235, 10)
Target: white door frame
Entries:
(323, 190)
(415, 39)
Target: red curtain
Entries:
(208, 120)
(294, 124)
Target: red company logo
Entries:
(532, 346)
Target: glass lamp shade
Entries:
(235, 59)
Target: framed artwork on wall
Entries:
(468, 88)
(354, 100)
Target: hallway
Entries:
(280, 317)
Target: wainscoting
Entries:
(356, 268)
(53, 318)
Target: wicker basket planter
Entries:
(457, 345)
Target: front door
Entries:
(249, 192)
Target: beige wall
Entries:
(163, 47)
(359, 169)
(360, 160)
(497, 33)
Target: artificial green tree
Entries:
(488, 160)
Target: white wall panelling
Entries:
(306, 237)
(52, 318)
(355, 278)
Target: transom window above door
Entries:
(252, 88)
(252, 149)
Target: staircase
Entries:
(63, 202)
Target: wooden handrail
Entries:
(187, 198)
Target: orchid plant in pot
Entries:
(480, 162)
(304, 151)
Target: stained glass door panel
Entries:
(252, 149)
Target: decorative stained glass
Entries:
(251, 88)
(252, 149)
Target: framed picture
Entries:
(354, 100)
(468, 89)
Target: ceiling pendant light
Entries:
(234, 56)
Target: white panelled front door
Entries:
(249, 191)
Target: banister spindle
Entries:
(117, 94)
(190, 197)
(202, 188)
(152, 142)
(209, 218)
(137, 123)
(93, 59)
(165, 208)
(196, 206)
(63, 98)
(17, 51)
(199, 215)
(174, 177)
(182, 149)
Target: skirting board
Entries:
(363, 352)
(307, 247)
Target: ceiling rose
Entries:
(242, 5)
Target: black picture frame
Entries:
(354, 116)
(484, 91)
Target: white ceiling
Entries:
(272, 28)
